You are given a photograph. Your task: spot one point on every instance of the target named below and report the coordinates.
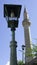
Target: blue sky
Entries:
(5, 33)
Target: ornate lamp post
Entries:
(12, 14)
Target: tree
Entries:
(34, 50)
(20, 62)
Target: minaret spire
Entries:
(26, 14)
(26, 24)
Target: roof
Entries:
(32, 62)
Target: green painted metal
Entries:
(13, 53)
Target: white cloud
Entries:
(8, 63)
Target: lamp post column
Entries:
(12, 14)
(13, 45)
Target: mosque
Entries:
(29, 60)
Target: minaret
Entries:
(26, 24)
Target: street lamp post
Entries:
(12, 13)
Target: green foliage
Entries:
(29, 52)
(32, 52)
(34, 48)
(20, 62)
